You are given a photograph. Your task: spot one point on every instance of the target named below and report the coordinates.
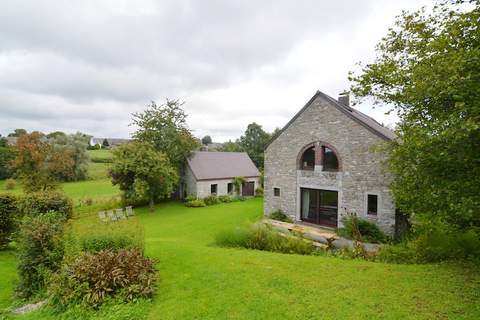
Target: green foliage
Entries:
(262, 237)
(105, 143)
(238, 198)
(237, 184)
(7, 154)
(8, 210)
(230, 146)
(280, 216)
(224, 198)
(92, 279)
(10, 184)
(254, 142)
(259, 192)
(42, 202)
(206, 140)
(75, 145)
(211, 200)
(142, 173)
(165, 127)
(40, 250)
(95, 237)
(195, 203)
(427, 67)
(368, 231)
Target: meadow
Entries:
(199, 280)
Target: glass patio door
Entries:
(319, 206)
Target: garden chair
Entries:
(111, 215)
(129, 211)
(103, 217)
(120, 215)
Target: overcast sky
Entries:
(87, 65)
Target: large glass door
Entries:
(319, 206)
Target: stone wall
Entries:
(362, 165)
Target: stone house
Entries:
(326, 162)
(208, 173)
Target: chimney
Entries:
(344, 98)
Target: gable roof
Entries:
(366, 121)
(221, 165)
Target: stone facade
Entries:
(202, 188)
(362, 164)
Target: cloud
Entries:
(88, 65)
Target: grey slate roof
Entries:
(367, 121)
(221, 165)
(111, 141)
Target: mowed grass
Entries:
(199, 280)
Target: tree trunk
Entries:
(151, 204)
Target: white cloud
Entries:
(88, 65)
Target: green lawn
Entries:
(100, 154)
(202, 281)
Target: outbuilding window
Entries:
(230, 188)
(213, 188)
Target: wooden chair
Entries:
(103, 217)
(129, 211)
(120, 215)
(111, 215)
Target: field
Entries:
(202, 281)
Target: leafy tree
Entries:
(18, 133)
(428, 68)
(55, 134)
(72, 150)
(230, 146)
(7, 155)
(105, 143)
(165, 127)
(254, 142)
(206, 140)
(33, 163)
(142, 172)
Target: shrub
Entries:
(93, 278)
(262, 237)
(259, 192)
(42, 202)
(7, 218)
(224, 199)
(211, 200)
(280, 216)
(238, 198)
(195, 203)
(92, 238)
(10, 184)
(40, 250)
(368, 231)
(190, 198)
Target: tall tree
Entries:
(6, 157)
(428, 68)
(33, 163)
(18, 133)
(72, 148)
(165, 127)
(206, 140)
(253, 142)
(143, 173)
(231, 146)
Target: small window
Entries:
(230, 188)
(330, 161)
(372, 204)
(213, 188)
(276, 192)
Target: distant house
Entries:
(11, 141)
(214, 146)
(209, 173)
(326, 163)
(112, 142)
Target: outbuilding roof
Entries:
(221, 165)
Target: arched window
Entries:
(330, 160)
(308, 159)
(320, 155)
